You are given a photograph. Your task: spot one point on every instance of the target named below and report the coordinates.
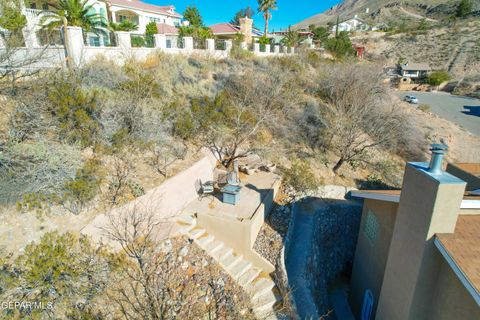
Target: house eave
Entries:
(458, 272)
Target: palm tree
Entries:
(266, 6)
(73, 13)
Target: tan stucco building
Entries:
(418, 253)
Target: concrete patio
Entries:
(256, 190)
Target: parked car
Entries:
(411, 99)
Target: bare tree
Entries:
(152, 283)
(119, 177)
(234, 123)
(358, 113)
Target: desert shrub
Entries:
(29, 119)
(101, 73)
(424, 107)
(464, 8)
(84, 187)
(39, 168)
(238, 53)
(75, 109)
(300, 176)
(66, 272)
(436, 78)
(140, 83)
(310, 126)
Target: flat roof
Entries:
(472, 168)
(470, 200)
(415, 66)
(463, 247)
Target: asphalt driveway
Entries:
(463, 111)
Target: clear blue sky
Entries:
(289, 11)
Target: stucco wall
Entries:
(241, 235)
(371, 257)
(451, 299)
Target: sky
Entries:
(289, 11)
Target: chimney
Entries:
(438, 150)
(429, 203)
(246, 26)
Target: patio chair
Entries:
(204, 189)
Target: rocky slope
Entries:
(381, 11)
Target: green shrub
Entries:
(300, 176)
(84, 187)
(424, 107)
(436, 78)
(137, 41)
(76, 111)
(464, 8)
(340, 46)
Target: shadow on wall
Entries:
(322, 250)
(472, 111)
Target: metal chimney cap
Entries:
(438, 148)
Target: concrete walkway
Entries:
(296, 262)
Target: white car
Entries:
(411, 99)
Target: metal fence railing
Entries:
(199, 44)
(101, 39)
(142, 41)
(220, 45)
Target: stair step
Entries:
(265, 302)
(213, 247)
(230, 260)
(197, 233)
(247, 278)
(204, 240)
(260, 286)
(237, 270)
(186, 219)
(219, 254)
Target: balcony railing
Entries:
(34, 12)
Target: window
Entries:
(45, 6)
(33, 5)
(371, 226)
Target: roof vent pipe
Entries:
(438, 150)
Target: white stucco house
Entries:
(352, 24)
(116, 11)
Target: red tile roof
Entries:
(167, 29)
(224, 28)
(137, 4)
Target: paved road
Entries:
(463, 111)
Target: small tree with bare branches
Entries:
(358, 113)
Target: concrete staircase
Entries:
(261, 288)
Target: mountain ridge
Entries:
(372, 9)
